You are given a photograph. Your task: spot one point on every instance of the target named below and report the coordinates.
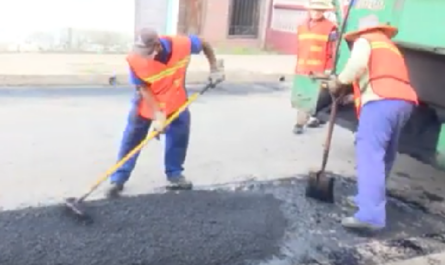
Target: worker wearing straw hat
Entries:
(315, 49)
(384, 100)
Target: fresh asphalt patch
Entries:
(199, 227)
(248, 223)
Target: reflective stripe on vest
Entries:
(388, 74)
(310, 62)
(166, 81)
(312, 47)
(313, 36)
(383, 45)
(168, 71)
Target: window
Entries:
(244, 18)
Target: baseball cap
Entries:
(146, 41)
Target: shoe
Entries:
(313, 123)
(114, 190)
(353, 223)
(350, 201)
(179, 183)
(298, 129)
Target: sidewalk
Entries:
(95, 69)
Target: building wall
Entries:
(151, 13)
(213, 23)
(172, 16)
(190, 16)
(285, 16)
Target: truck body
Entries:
(421, 39)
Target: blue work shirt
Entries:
(196, 48)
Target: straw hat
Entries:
(319, 5)
(370, 24)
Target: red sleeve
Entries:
(330, 52)
(297, 49)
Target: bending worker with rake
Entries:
(384, 100)
(158, 66)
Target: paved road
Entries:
(249, 169)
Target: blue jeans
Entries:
(176, 143)
(377, 138)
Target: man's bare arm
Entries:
(209, 53)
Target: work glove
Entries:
(159, 121)
(217, 74)
(347, 99)
(333, 85)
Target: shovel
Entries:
(320, 186)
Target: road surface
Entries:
(249, 169)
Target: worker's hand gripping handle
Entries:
(329, 82)
(217, 75)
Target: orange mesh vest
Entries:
(388, 74)
(312, 48)
(166, 81)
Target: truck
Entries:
(421, 39)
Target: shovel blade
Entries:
(320, 187)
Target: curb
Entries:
(122, 79)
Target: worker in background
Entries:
(384, 100)
(316, 40)
(158, 67)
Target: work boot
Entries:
(298, 129)
(313, 122)
(114, 190)
(353, 223)
(179, 183)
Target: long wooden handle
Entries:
(328, 140)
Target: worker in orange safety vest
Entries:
(316, 40)
(384, 100)
(158, 66)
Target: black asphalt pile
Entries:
(249, 223)
(188, 228)
(315, 236)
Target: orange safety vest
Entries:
(166, 81)
(313, 46)
(388, 74)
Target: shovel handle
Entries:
(328, 140)
(335, 101)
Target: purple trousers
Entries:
(377, 138)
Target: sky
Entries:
(20, 17)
